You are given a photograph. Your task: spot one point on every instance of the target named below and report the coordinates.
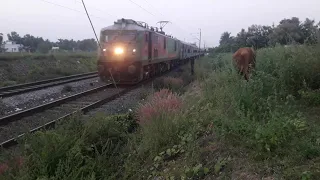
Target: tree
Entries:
(287, 32)
(14, 36)
(44, 46)
(309, 31)
(1, 38)
(87, 45)
(258, 36)
(66, 44)
(1, 43)
(31, 43)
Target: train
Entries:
(131, 51)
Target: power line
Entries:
(70, 9)
(142, 8)
(175, 24)
(79, 1)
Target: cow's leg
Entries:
(246, 75)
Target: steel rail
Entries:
(27, 87)
(14, 141)
(16, 116)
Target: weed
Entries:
(161, 102)
(263, 114)
(76, 150)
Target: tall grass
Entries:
(94, 150)
(20, 68)
(265, 114)
(273, 117)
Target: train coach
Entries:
(131, 52)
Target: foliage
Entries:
(160, 102)
(287, 32)
(38, 44)
(264, 115)
(20, 68)
(44, 47)
(76, 150)
(263, 126)
(1, 43)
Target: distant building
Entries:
(11, 46)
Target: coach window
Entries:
(164, 43)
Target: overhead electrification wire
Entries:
(79, 1)
(142, 8)
(175, 24)
(49, 2)
(160, 14)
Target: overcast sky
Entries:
(40, 18)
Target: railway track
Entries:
(33, 86)
(14, 126)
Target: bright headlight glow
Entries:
(118, 50)
(134, 50)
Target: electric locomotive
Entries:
(131, 52)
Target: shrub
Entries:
(161, 102)
(76, 150)
(158, 120)
(174, 84)
(263, 114)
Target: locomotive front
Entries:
(120, 54)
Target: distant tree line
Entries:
(288, 31)
(38, 44)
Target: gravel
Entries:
(35, 98)
(122, 104)
(130, 100)
(25, 124)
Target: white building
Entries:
(11, 46)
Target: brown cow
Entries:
(244, 59)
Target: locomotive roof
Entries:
(124, 25)
(129, 24)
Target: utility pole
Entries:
(199, 42)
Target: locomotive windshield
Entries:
(119, 37)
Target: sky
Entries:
(66, 19)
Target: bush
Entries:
(161, 102)
(76, 150)
(263, 114)
(158, 120)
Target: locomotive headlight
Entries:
(118, 50)
(134, 50)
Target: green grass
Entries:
(18, 68)
(268, 116)
(222, 127)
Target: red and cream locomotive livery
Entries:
(132, 52)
